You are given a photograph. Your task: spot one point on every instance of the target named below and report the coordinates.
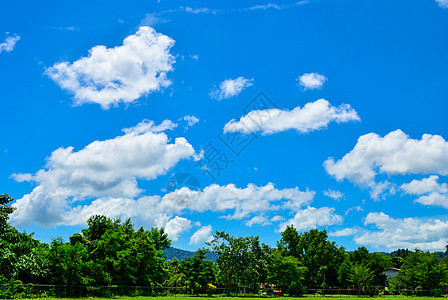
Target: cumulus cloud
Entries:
(9, 43)
(394, 154)
(242, 201)
(102, 169)
(311, 81)
(313, 116)
(191, 120)
(336, 195)
(442, 3)
(231, 88)
(404, 233)
(108, 76)
(201, 236)
(312, 217)
(277, 218)
(258, 220)
(344, 232)
(430, 191)
(149, 126)
(176, 227)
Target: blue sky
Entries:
(244, 116)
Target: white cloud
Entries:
(313, 116)
(196, 11)
(430, 191)
(9, 43)
(266, 6)
(357, 208)
(258, 220)
(344, 232)
(396, 153)
(243, 201)
(312, 217)
(104, 169)
(336, 195)
(277, 218)
(108, 76)
(311, 81)
(191, 120)
(404, 233)
(202, 235)
(425, 186)
(148, 126)
(176, 227)
(231, 88)
(442, 3)
(152, 19)
(274, 6)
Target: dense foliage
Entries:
(111, 253)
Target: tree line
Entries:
(111, 252)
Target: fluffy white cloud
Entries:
(123, 73)
(103, 169)
(277, 218)
(243, 201)
(442, 3)
(313, 116)
(311, 81)
(148, 125)
(430, 191)
(258, 220)
(231, 88)
(176, 227)
(9, 43)
(191, 120)
(404, 233)
(336, 195)
(395, 153)
(202, 235)
(344, 232)
(312, 217)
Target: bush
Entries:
(297, 289)
(436, 293)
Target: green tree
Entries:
(174, 275)
(109, 252)
(360, 276)
(376, 262)
(285, 271)
(313, 249)
(20, 253)
(239, 259)
(198, 272)
(422, 269)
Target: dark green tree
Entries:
(198, 272)
(20, 253)
(360, 276)
(320, 256)
(286, 272)
(422, 269)
(239, 259)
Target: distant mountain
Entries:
(180, 254)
